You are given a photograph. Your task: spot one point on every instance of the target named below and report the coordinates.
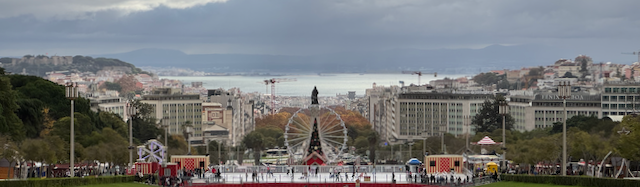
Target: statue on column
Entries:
(314, 96)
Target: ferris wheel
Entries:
(331, 131)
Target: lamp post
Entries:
(504, 110)
(166, 146)
(443, 130)
(207, 145)
(71, 92)
(424, 143)
(188, 140)
(467, 122)
(132, 110)
(410, 148)
(564, 92)
(278, 160)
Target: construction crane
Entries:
(634, 53)
(273, 82)
(419, 73)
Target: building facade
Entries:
(543, 109)
(620, 98)
(421, 115)
(216, 123)
(380, 111)
(175, 110)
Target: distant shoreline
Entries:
(287, 74)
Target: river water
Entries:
(327, 84)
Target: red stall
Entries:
(169, 169)
(147, 167)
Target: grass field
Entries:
(131, 184)
(521, 184)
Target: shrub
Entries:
(65, 182)
(572, 180)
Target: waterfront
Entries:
(328, 85)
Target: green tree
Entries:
(30, 112)
(486, 79)
(9, 151)
(361, 144)
(273, 136)
(587, 146)
(254, 141)
(373, 139)
(568, 75)
(583, 68)
(34, 150)
(112, 86)
(177, 145)
(83, 128)
(108, 146)
(214, 146)
(145, 125)
(49, 93)
(10, 124)
(589, 124)
(627, 145)
(489, 118)
(113, 121)
(531, 151)
(57, 150)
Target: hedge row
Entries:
(572, 180)
(67, 182)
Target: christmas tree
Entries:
(314, 144)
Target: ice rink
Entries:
(400, 177)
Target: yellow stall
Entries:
(492, 167)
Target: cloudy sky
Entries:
(301, 27)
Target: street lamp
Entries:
(278, 160)
(207, 145)
(504, 110)
(410, 148)
(443, 130)
(424, 143)
(467, 123)
(564, 92)
(132, 111)
(166, 146)
(71, 92)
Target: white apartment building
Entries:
(421, 115)
(544, 108)
(380, 110)
(175, 110)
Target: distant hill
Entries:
(39, 65)
(449, 61)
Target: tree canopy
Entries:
(35, 114)
(489, 118)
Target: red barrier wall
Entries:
(314, 185)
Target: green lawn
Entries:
(521, 184)
(131, 184)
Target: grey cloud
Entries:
(315, 27)
(83, 9)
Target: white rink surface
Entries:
(400, 177)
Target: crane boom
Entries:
(419, 73)
(634, 53)
(273, 82)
